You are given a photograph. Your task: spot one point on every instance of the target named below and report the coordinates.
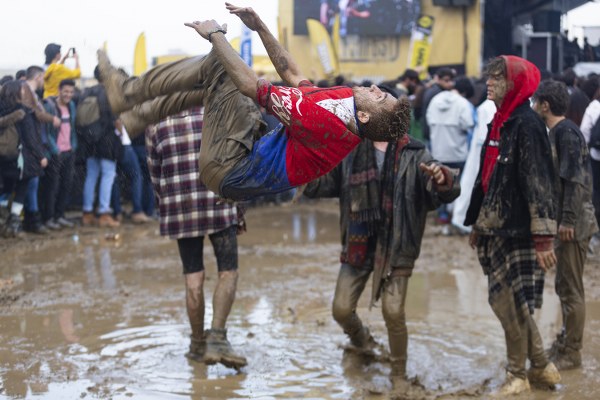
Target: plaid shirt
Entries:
(187, 207)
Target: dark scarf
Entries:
(364, 203)
(391, 166)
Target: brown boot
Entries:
(197, 349)
(362, 343)
(113, 81)
(566, 358)
(88, 219)
(139, 218)
(218, 350)
(106, 220)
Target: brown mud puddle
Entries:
(94, 317)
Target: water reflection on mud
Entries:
(105, 318)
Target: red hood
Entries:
(523, 78)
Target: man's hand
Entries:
(205, 27)
(248, 16)
(56, 122)
(435, 172)
(546, 259)
(44, 162)
(473, 237)
(566, 234)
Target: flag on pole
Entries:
(322, 44)
(246, 45)
(140, 63)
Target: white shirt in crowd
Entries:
(591, 115)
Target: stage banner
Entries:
(323, 46)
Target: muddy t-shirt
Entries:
(313, 137)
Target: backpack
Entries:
(87, 119)
(595, 135)
(10, 139)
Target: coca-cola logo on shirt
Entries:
(282, 106)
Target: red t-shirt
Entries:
(316, 125)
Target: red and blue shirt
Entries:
(313, 137)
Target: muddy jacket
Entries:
(574, 179)
(413, 198)
(520, 198)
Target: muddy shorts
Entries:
(191, 251)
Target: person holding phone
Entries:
(56, 70)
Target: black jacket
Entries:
(520, 201)
(109, 145)
(32, 146)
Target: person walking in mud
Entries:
(575, 217)
(188, 213)
(514, 219)
(319, 127)
(385, 191)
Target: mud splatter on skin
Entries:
(123, 303)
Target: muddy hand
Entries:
(205, 27)
(566, 234)
(246, 14)
(473, 237)
(434, 171)
(546, 259)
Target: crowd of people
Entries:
(515, 142)
(40, 166)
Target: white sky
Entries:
(26, 27)
(86, 24)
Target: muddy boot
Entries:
(544, 378)
(362, 343)
(106, 220)
(197, 349)
(218, 350)
(513, 385)
(565, 358)
(113, 81)
(13, 227)
(88, 219)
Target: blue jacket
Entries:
(50, 133)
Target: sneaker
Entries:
(106, 220)
(218, 350)
(53, 226)
(139, 218)
(513, 385)
(113, 81)
(545, 378)
(65, 223)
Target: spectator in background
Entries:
(21, 75)
(443, 79)
(60, 147)
(450, 118)
(129, 167)
(139, 147)
(56, 70)
(578, 101)
(101, 155)
(188, 213)
(6, 79)
(407, 83)
(575, 217)
(589, 54)
(590, 118)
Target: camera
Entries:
(72, 51)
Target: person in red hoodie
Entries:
(513, 214)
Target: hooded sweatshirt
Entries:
(450, 116)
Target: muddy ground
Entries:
(83, 315)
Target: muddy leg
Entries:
(153, 111)
(223, 298)
(350, 285)
(393, 302)
(194, 301)
(124, 92)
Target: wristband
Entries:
(223, 31)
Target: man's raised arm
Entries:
(284, 64)
(240, 73)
